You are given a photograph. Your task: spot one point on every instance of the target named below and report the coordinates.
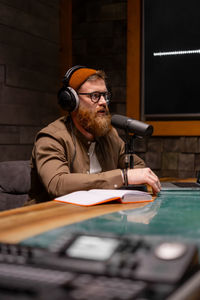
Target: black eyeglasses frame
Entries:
(106, 95)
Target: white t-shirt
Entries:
(94, 163)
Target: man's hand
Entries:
(144, 176)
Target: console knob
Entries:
(169, 251)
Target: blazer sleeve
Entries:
(54, 171)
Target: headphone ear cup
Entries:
(68, 99)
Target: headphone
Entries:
(67, 97)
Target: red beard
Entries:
(97, 125)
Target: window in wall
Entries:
(171, 52)
(183, 118)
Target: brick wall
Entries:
(29, 72)
(171, 156)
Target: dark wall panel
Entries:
(29, 72)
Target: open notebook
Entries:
(98, 196)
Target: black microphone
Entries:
(131, 125)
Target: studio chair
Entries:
(14, 183)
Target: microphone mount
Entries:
(129, 149)
(133, 129)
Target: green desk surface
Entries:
(174, 215)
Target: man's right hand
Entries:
(144, 176)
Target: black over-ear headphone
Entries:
(67, 96)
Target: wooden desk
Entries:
(21, 223)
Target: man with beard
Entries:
(81, 150)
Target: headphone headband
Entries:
(69, 73)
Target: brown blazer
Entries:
(60, 161)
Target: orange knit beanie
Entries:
(79, 76)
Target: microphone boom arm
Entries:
(133, 129)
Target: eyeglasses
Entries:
(95, 96)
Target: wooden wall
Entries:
(106, 34)
(99, 31)
(31, 47)
(29, 72)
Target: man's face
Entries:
(93, 117)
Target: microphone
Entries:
(131, 125)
